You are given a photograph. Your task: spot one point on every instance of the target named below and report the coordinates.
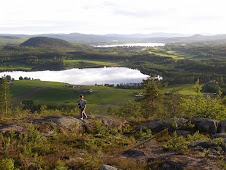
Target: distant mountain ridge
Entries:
(93, 39)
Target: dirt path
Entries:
(27, 94)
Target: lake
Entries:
(133, 44)
(88, 76)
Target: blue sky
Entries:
(113, 16)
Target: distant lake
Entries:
(133, 44)
(88, 76)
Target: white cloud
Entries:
(112, 16)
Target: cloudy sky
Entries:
(113, 16)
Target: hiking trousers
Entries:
(83, 115)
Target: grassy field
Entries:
(54, 93)
(174, 54)
(89, 63)
(15, 66)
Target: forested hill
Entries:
(46, 42)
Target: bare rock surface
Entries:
(65, 123)
(205, 125)
(107, 167)
(222, 127)
(172, 160)
(17, 128)
(158, 125)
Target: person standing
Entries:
(82, 106)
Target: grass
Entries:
(173, 54)
(15, 66)
(89, 63)
(53, 93)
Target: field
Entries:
(174, 54)
(98, 102)
(15, 66)
(89, 63)
(54, 93)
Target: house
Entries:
(139, 95)
(86, 90)
(70, 86)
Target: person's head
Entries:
(81, 96)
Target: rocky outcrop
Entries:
(205, 125)
(222, 127)
(133, 153)
(184, 123)
(158, 125)
(18, 128)
(64, 124)
(107, 167)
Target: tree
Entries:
(4, 95)
(152, 101)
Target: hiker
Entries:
(82, 106)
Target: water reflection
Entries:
(89, 76)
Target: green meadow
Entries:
(54, 93)
(89, 63)
(98, 102)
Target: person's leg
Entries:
(84, 114)
(81, 113)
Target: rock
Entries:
(183, 132)
(203, 144)
(164, 163)
(107, 167)
(67, 122)
(158, 125)
(110, 122)
(219, 135)
(48, 133)
(222, 127)
(205, 125)
(17, 128)
(75, 123)
(132, 153)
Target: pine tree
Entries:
(4, 95)
(152, 101)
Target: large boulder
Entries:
(222, 127)
(205, 125)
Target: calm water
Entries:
(133, 44)
(89, 76)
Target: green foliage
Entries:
(7, 164)
(4, 95)
(176, 143)
(130, 109)
(152, 101)
(205, 107)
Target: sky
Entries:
(113, 16)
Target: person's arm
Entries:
(79, 105)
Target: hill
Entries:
(46, 42)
